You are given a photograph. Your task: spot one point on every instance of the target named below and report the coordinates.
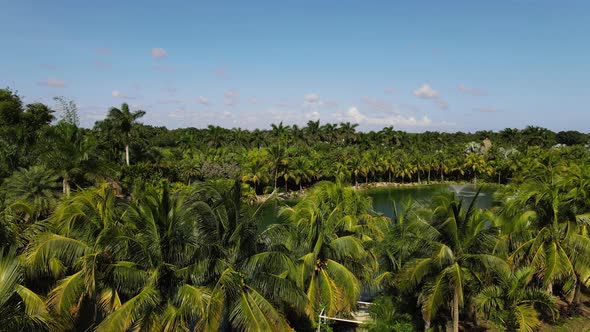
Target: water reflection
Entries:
(383, 197)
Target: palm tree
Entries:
(277, 155)
(348, 132)
(71, 155)
(255, 167)
(280, 132)
(457, 245)
(79, 248)
(332, 227)
(553, 237)
(20, 308)
(298, 169)
(513, 301)
(124, 120)
(252, 283)
(35, 186)
(161, 292)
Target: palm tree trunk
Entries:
(389, 177)
(276, 173)
(456, 310)
(66, 186)
(577, 293)
(429, 175)
(418, 177)
(127, 154)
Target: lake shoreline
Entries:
(368, 187)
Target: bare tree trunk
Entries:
(127, 154)
(456, 310)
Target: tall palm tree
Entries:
(299, 169)
(553, 237)
(280, 132)
(80, 249)
(332, 227)
(71, 155)
(161, 293)
(277, 155)
(252, 283)
(255, 168)
(457, 246)
(124, 120)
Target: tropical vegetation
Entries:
(130, 227)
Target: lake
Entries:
(384, 196)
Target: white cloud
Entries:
(426, 92)
(312, 99)
(52, 82)
(203, 101)
(119, 94)
(471, 90)
(159, 53)
(354, 115)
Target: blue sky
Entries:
(416, 65)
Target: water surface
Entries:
(384, 197)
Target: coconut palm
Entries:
(161, 293)
(79, 249)
(71, 155)
(124, 120)
(299, 170)
(252, 285)
(277, 155)
(256, 167)
(457, 245)
(553, 238)
(332, 228)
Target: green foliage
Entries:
(175, 241)
(387, 316)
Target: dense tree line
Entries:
(132, 227)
